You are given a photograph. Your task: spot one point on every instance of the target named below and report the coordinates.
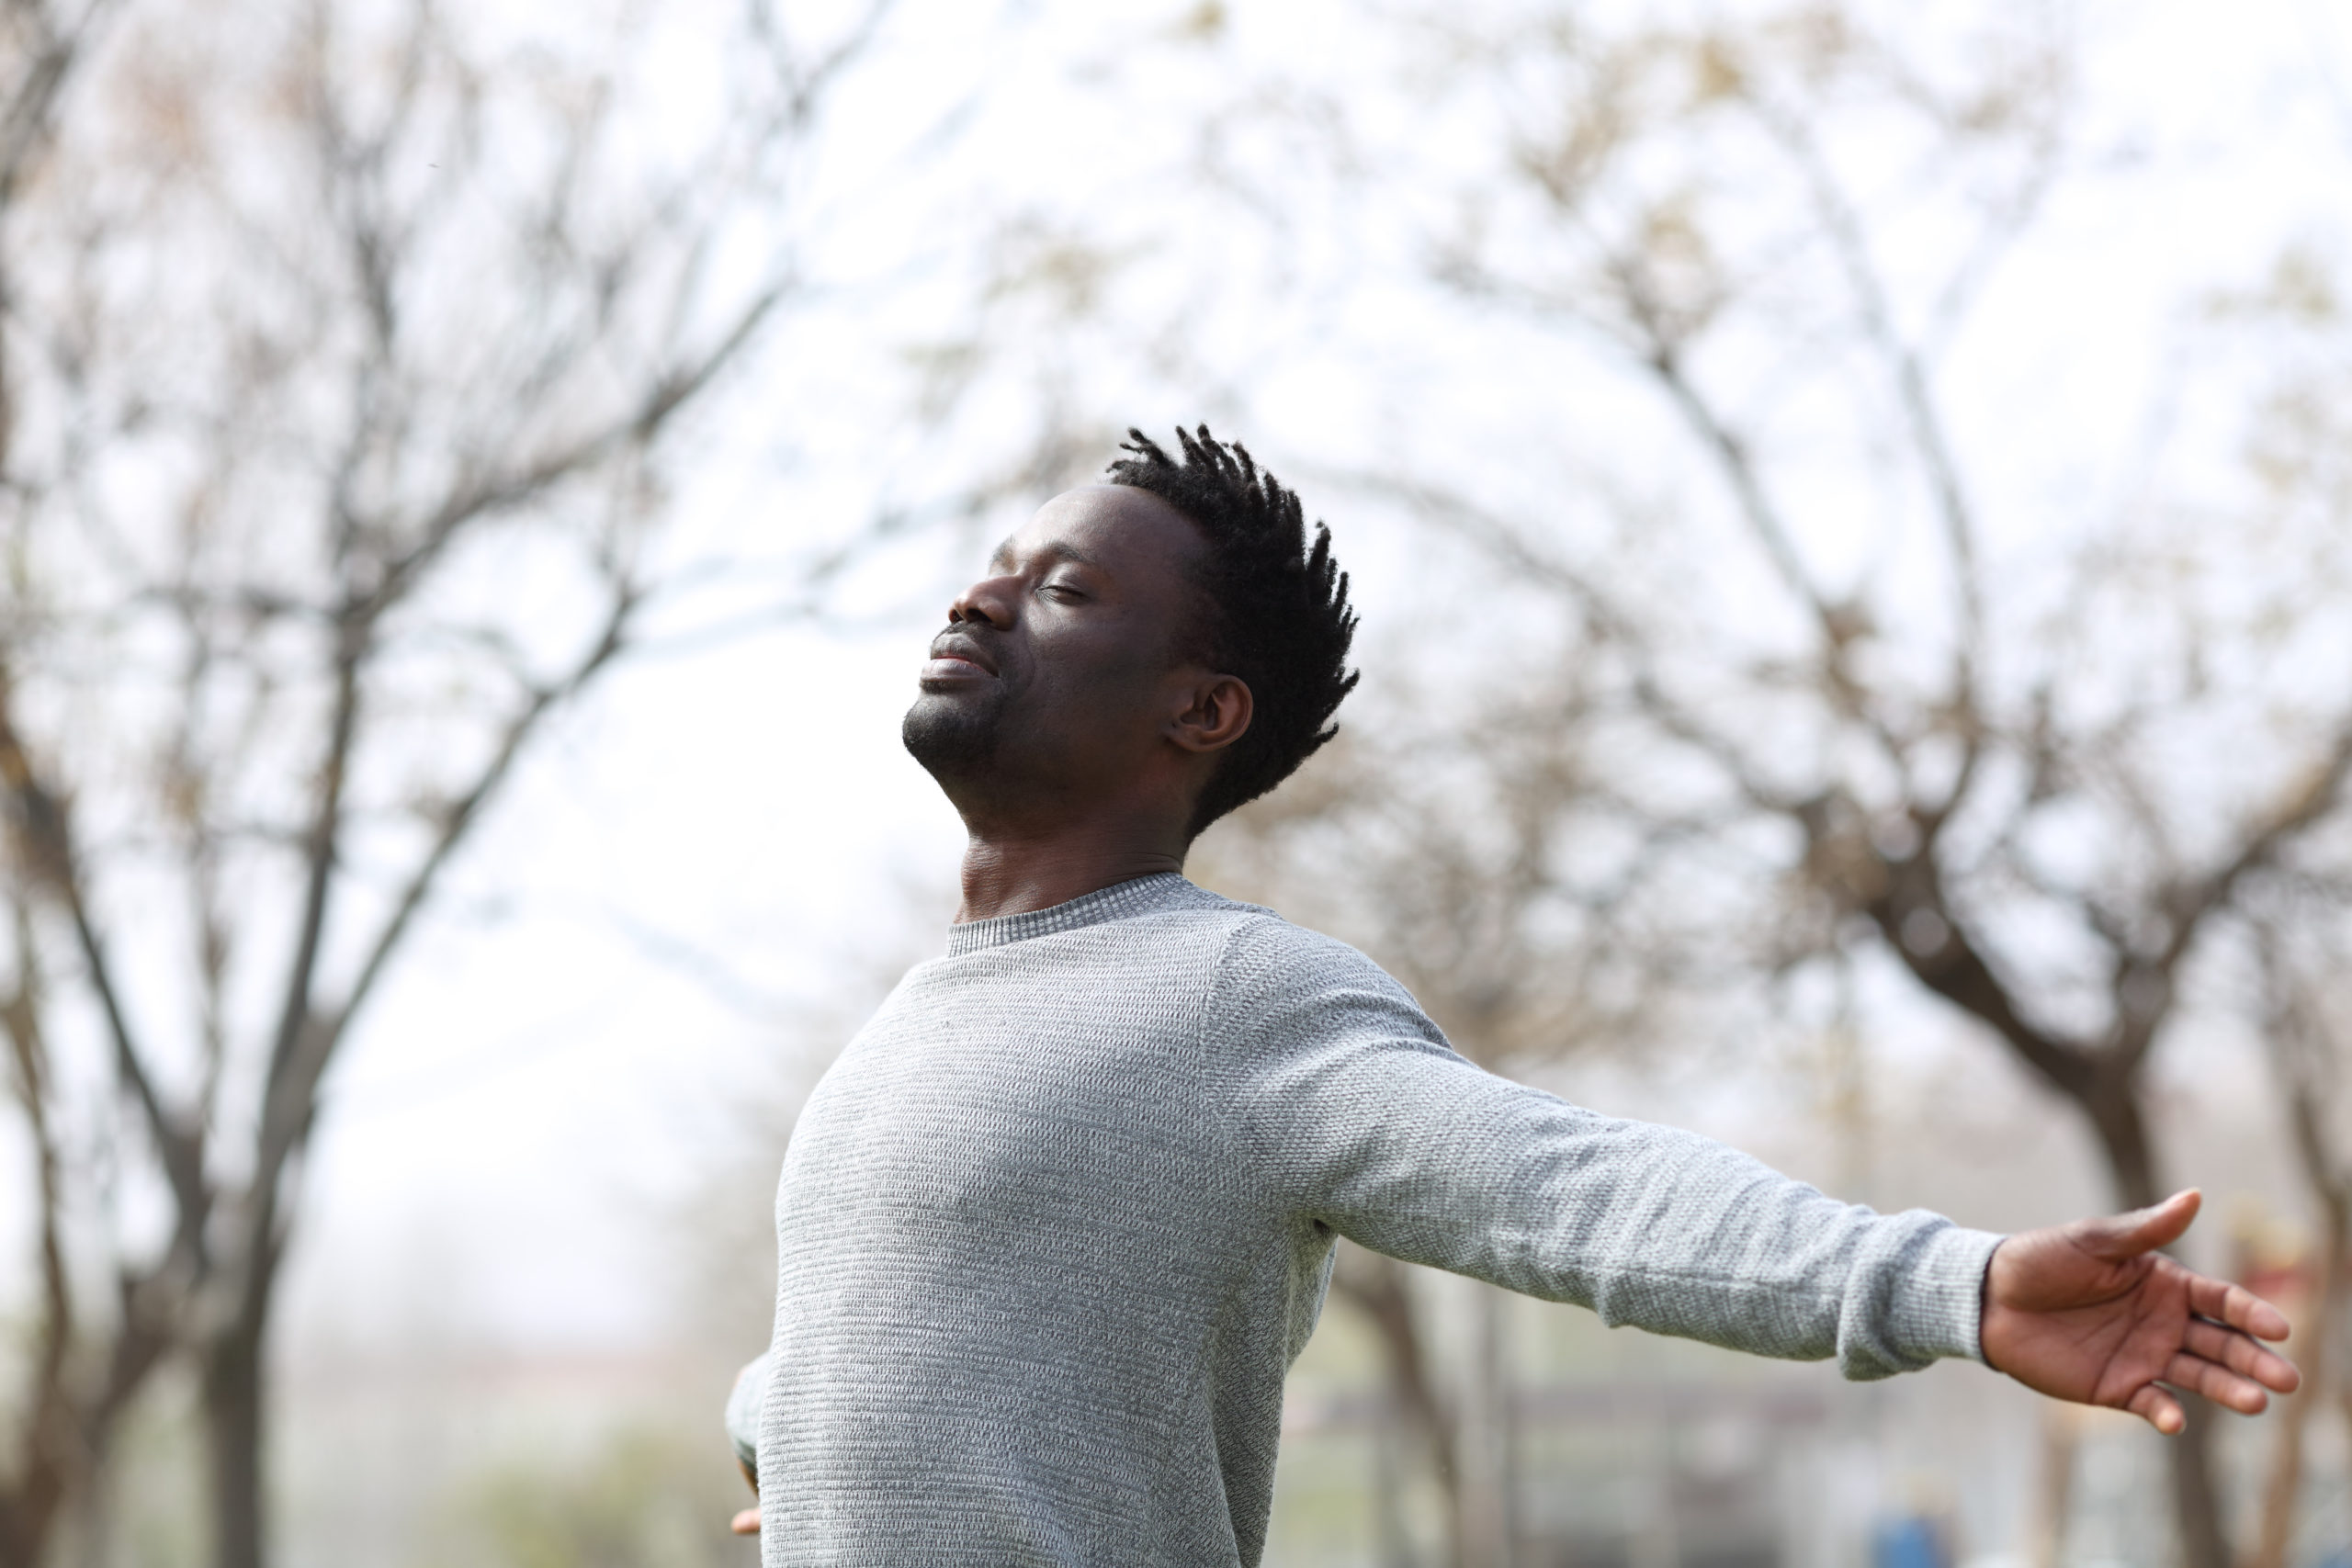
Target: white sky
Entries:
(537, 1095)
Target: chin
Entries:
(951, 737)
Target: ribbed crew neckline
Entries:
(1120, 901)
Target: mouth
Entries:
(954, 659)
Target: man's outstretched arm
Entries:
(1348, 1108)
(2093, 1312)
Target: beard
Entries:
(954, 737)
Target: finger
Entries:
(2218, 1384)
(2118, 1236)
(746, 1523)
(2237, 1306)
(2242, 1355)
(2158, 1409)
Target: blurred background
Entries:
(1853, 518)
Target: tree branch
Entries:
(320, 861)
(636, 429)
(1892, 891)
(2188, 904)
(30, 117)
(21, 1019)
(1839, 624)
(43, 819)
(1923, 419)
(292, 1095)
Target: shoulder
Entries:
(1270, 968)
(1261, 940)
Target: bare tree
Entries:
(2305, 1038)
(343, 351)
(2041, 808)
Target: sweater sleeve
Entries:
(1351, 1111)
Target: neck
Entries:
(1012, 869)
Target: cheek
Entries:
(1100, 681)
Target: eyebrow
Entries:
(1003, 555)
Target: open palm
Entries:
(2093, 1312)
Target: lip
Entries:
(956, 659)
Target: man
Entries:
(1054, 1226)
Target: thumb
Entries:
(2120, 1236)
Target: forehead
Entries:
(1117, 529)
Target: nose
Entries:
(990, 601)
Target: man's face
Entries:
(1051, 677)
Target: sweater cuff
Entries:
(1939, 1303)
(744, 1404)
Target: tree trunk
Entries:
(28, 1510)
(2115, 1111)
(2113, 1105)
(2294, 1044)
(234, 1406)
(1487, 1536)
(1394, 1545)
(66, 1446)
(53, 1466)
(2062, 1441)
(1376, 1286)
(2197, 1503)
(2283, 1488)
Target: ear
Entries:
(1216, 713)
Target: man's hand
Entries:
(748, 1521)
(2091, 1312)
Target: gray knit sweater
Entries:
(1054, 1226)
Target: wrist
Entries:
(1986, 1308)
(1936, 1304)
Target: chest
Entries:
(1005, 1100)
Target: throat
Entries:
(1015, 872)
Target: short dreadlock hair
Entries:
(1277, 608)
